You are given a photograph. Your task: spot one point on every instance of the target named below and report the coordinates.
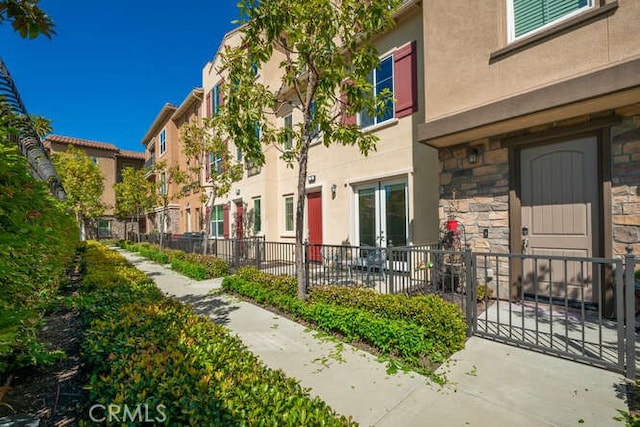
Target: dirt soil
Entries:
(54, 393)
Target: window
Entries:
(104, 228)
(257, 216)
(527, 16)
(217, 221)
(216, 99)
(316, 129)
(288, 213)
(239, 154)
(163, 141)
(381, 78)
(94, 160)
(163, 184)
(382, 218)
(215, 164)
(288, 125)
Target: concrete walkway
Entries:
(490, 384)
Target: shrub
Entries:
(444, 322)
(392, 331)
(148, 349)
(285, 285)
(38, 238)
(196, 266)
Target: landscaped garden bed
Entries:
(143, 348)
(419, 332)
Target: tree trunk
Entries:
(301, 275)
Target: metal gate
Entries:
(581, 309)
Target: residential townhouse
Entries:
(389, 197)
(111, 160)
(535, 110)
(163, 143)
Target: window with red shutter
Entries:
(405, 76)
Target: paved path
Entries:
(491, 384)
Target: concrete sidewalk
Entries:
(490, 384)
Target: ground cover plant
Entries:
(420, 332)
(38, 239)
(147, 349)
(196, 266)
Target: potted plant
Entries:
(452, 222)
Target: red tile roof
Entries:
(81, 142)
(131, 154)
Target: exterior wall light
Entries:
(473, 155)
(333, 190)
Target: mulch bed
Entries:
(53, 393)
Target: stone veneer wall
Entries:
(625, 185)
(118, 229)
(481, 193)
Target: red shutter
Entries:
(405, 81)
(346, 119)
(208, 101)
(225, 220)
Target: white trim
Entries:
(162, 152)
(511, 30)
(397, 174)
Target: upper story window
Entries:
(288, 125)
(215, 164)
(163, 184)
(214, 100)
(163, 141)
(381, 78)
(528, 16)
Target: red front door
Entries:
(314, 215)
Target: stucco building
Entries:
(111, 160)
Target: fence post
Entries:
(391, 257)
(470, 291)
(306, 264)
(236, 253)
(258, 252)
(629, 313)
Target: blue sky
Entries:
(113, 64)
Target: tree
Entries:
(324, 53)
(41, 125)
(203, 142)
(26, 18)
(134, 195)
(83, 183)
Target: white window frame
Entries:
(163, 184)
(257, 215)
(215, 99)
(381, 226)
(375, 84)
(214, 223)
(287, 123)
(215, 164)
(286, 214)
(511, 22)
(162, 138)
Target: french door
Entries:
(381, 212)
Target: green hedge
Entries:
(427, 331)
(196, 266)
(443, 322)
(38, 239)
(144, 348)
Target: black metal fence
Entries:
(578, 308)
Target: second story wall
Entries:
(473, 57)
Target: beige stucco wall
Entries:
(398, 156)
(461, 35)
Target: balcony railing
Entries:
(150, 163)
